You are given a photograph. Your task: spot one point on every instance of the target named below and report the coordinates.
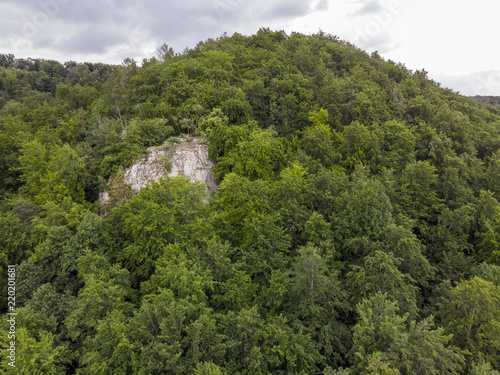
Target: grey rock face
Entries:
(188, 157)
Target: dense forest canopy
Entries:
(493, 100)
(355, 229)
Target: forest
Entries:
(355, 228)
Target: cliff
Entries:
(185, 156)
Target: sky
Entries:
(455, 41)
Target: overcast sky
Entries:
(454, 40)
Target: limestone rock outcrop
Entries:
(183, 156)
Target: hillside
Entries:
(355, 228)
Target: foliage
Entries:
(471, 314)
(355, 227)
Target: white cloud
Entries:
(479, 83)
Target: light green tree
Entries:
(471, 315)
(406, 346)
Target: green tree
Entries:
(363, 210)
(488, 230)
(317, 303)
(404, 345)
(40, 356)
(404, 244)
(258, 346)
(95, 301)
(13, 133)
(359, 145)
(260, 157)
(165, 53)
(15, 236)
(171, 334)
(119, 192)
(379, 273)
(483, 368)
(417, 193)
(166, 211)
(52, 173)
(397, 145)
(470, 313)
(208, 368)
(110, 351)
(288, 197)
(318, 143)
(180, 275)
(241, 198)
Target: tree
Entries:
(404, 345)
(241, 198)
(95, 301)
(255, 345)
(215, 126)
(15, 243)
(208, 368)
(320, 141)
(317, 303)
(359, 145)
(47, 310)
(379, 273)
(165, 212)
(264, 245)
(185, 278)
(417, 194)
(288, 197)
(38, 356)
(483, 368)
(110, 350)
(172, 334)
(488, 230)
(344, 180)
(13, 133)
(378, 364)
(164, 52)
(260, 157)
(471, 315)
(363, 210)
(404, 244)
(397, 145)
(119, 192)
(52, 173)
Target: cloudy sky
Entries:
(454, 40)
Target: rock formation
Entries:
(185, 156)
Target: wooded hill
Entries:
(355, 230)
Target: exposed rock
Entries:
(186, 156)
